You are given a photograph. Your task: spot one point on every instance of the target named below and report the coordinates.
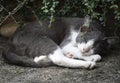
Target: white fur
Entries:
(87, 45)
(71, 47)
(59, 59)
(73, 50)
(38, 59)
(94, 58)
(77, 54)
(73, 36)
(90, 43)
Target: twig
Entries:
(40, 23)
(14, 11)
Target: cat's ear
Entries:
(86, 24)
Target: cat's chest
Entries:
(73, 36)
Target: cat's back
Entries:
(56, 31)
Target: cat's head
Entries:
(89, 39)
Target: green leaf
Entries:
(114, 6)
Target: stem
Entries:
(40, 23)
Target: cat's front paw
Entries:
(90, 65)
(95, 57)
(69, 55)
(92, 58)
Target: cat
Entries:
(82, 44)
(35, 45)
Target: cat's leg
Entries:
(40, 58)
(71, 51)
(58, 58)
(95, 57)
(74, 52)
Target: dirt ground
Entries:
(107, 71)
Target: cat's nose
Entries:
(86, 50)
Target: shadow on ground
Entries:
(107, 71)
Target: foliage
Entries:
(48, 9)
(96, 9)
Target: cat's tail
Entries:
(14, 59)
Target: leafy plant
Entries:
(96, 9)
(48, 9)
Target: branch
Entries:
(40, 23)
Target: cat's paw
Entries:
(38, 59)
(92, 58)
(69, 55)
(95, 57)
(90, 65)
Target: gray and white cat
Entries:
(70, 42)
(81, 44)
